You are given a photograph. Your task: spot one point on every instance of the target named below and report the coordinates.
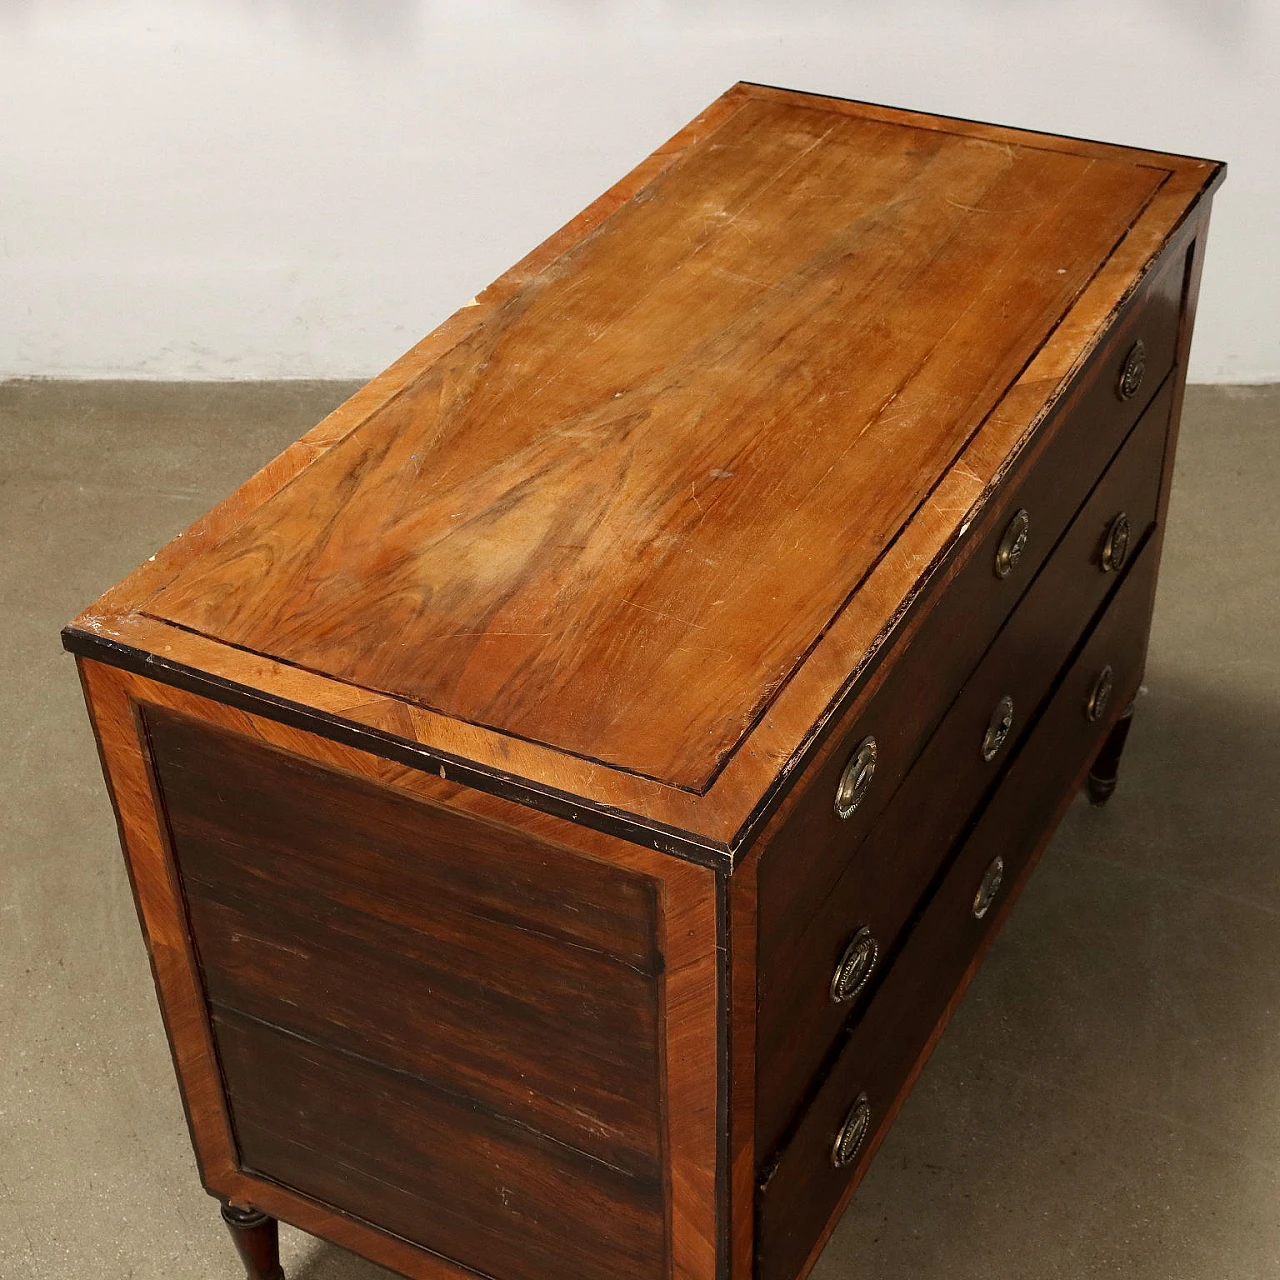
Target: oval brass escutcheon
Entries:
(992, 879)
(1096, 707)
(853, 1133)
(998, 729)
(856, 778)
(1132, 371)
(1012, 543)
(1115, 546)
(854, 967)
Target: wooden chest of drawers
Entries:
(566, 792)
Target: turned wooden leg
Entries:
(257, 1238)
(1102, 777)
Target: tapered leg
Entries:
(1102, 777)
(257, 1238)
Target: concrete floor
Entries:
(1106, 1102)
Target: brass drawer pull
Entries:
(1115, 546)
(1012, 544)
(1132, 372)
(856, 778)
(998, 729)
(855, 966)
(992, 879)
(1096, 707)
(853, 1133)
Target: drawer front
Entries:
(805, 1187)
(800, 1017)
(969, 607)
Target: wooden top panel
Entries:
(611, 511)
(616, 517)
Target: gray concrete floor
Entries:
(1106, 1103)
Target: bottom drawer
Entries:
(800, 1197)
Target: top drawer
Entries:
(977, 592)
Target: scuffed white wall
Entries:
(301, 188)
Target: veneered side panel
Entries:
(625, 966)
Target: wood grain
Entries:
(504, 970)
(464, 1182)
(688, 970)
(751, 753)
(157, 896)
(636, 475)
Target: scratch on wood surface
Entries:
(98, 624)
(737, 275)
(702, 648)
(460, 635)
(660, 614)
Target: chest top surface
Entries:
(620, 526)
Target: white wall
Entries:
(301, 188)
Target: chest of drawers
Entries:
(566, 792)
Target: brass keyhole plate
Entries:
(1096, 707)
(998, 729)
(1133, 371)
(856, 778)
(855, 966)
(992, 879)
(853, 1133)
(1115, 547)
(1012, 543)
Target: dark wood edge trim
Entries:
(680, 844)
(374, 691)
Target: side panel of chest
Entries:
(442, 1040)
(403, 998)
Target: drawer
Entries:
(969, 606)
(803, 1189)
(799, 1019)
